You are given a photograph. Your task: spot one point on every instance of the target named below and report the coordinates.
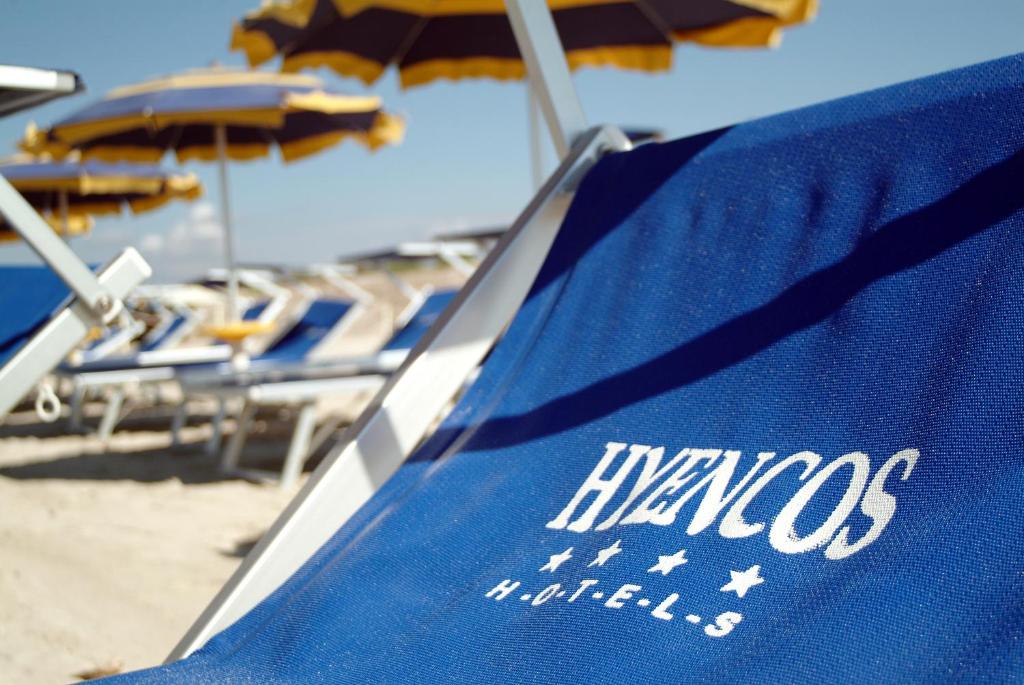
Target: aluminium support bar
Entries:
(57, 254)
(406, 406)
(63, 332)
(547, 71)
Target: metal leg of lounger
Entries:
(298, 450)
(325, 431)
(111, 415)
(178, 422)
(217, 427)
(97, 298)
(77, 402)
(229, 460)
(409, 402)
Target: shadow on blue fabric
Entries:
(759, 420)
(904, 243)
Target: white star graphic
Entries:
(605, 554)
(557, 560)
(742, 581)
(667, 562)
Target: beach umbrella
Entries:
(217, 115)
(68, 192)
(74, 225)
(431, 39)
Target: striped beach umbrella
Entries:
(430, 39)
(69, 192)
(217, 115)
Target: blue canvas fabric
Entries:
(316, 323)
(28, 297)
(421, 321)
(255, 311)
(759, 420)
(162, 335)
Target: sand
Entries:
(109, 552)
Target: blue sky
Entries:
(464, 162)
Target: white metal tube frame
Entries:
(406, 406)
(548, 71)
(97, 298)
(56, 253)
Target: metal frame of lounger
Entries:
(164, 353)
(116, 339)
(97, 297)
(163, 365)
(297, 385)
(155, 366)
(310, 381)
(166, 340)
(25, 87)
(407, 405)
(302, 393)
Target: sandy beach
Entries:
(109, 552)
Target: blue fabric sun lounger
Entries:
(302, 385)
(322, 319)
(168, 333)
(29, 296)
(758, 420)
(154, 350)
(114, 338)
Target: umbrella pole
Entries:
(536, 149)
(548, 71)
(63, 199)
(221, 134)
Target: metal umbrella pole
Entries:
(64, 227)
(221, 135)
(548, 71)
(534, 133)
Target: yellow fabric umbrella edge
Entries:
(747, 32)
(387, 129)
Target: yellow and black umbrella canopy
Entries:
(93, 187)
(69, 192)
(217, 115)
(431, 39)
(182, 113)
(76, 225)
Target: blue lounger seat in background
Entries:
(29, 295)
(321, 319)
(301, 385)
(759, 420)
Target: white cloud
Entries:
(199, 230)
(151, 242)
(190, 248)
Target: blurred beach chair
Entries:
(301, 386)
(756, 420)
(158, 352)
(30, 296)
(318, 322)
(162, 347)
(111, 339)
(36, 341)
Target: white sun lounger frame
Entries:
(97, 298)
(408, 403)
(159, 366)
(331, 377)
